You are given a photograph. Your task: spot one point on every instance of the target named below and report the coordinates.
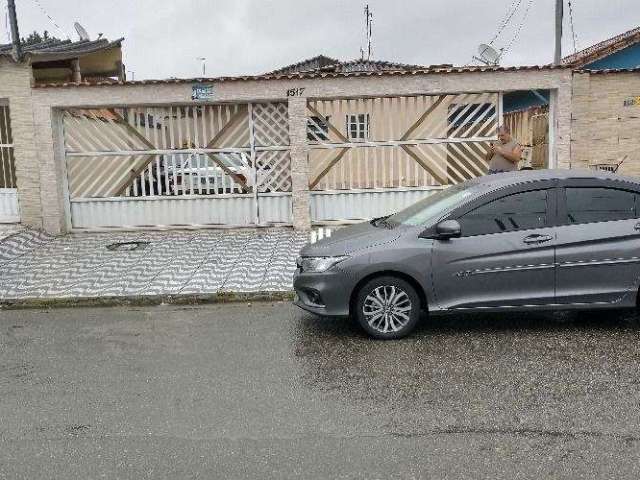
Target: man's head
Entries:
(504, 135)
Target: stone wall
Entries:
(603, 128)
(15, 88)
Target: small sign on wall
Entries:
(632, 102)
(202, 91)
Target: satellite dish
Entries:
(488, 54)
(82, 33)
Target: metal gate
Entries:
(8, 192)
(222, 165)
(373, 156)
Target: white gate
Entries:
(181, 165)
(372, 156)
(8, 193)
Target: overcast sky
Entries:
(163, 38)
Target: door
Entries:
(505, 256)
(598, 246)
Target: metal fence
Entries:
(7, 163)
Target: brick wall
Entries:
(603, 129)
(15, 87)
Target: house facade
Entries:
(318, 142)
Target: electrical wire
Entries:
(574, 35)
(511, 11)
(516, 35)
(51, 20)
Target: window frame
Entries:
(363, 128)
(563, 209)
(551, 186)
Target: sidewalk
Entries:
(34, 265)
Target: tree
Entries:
(35, 38)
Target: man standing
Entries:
(504, 157)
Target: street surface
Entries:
(267, 391)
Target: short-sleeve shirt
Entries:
(501, 164)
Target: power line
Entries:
(516, 35)
(511, 11)
(51, 20)
(574, 35)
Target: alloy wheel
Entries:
(387, 309)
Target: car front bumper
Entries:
(325, 293)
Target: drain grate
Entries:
(127, 246)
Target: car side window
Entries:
(590, 205)
(520, 211)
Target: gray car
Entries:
(543, 240)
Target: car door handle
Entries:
(637, 226)
(537, 238)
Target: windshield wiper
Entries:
(382, 222)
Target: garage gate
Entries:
(370, 157)
(210, 165)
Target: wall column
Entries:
(560, 124)
(299, 163)
(51, 161)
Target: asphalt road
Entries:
(266, 391)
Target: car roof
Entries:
(499, 180)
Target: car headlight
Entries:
(318, 264)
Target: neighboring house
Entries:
(50, 62)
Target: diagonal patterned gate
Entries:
(376, 148)
(223, 165)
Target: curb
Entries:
(145, 300)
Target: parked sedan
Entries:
(543, 240)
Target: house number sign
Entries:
(295, 92)
(632, 102)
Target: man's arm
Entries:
(514, 156)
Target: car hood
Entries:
(350, 239)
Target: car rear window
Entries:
(589, 205)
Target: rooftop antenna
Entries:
(488, 55)
(368, 21)
(204, 65)
(82, 33)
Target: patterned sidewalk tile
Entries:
(36, 265)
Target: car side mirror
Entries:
(443, 231)
(448, 229)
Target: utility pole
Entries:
(15, 34)
(557, 60)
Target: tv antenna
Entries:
(82, 33)
(203, 60)
(368, 22)
(488, 55)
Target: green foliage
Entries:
(35, 37)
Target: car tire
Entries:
(387, 308)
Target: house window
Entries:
(318, 129)
(358, 127)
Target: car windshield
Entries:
(433, 206)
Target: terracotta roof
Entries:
(603, 49)
(322, 63)
(311, 75)
(62, 49)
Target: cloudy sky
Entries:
(164, 38)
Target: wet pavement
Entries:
(267, 391)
